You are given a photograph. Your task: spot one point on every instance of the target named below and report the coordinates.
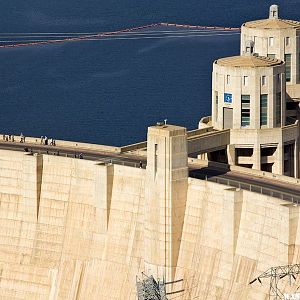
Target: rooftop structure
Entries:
(248, 92)
(275, 38)
(273, 22)
(249, 97)
(248, 61)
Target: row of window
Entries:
(245, 109)
(263, 109)
(288, 66)
(245, 117)
(245, 114)
(287, 40)
(288, 63)
(263, 79)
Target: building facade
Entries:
(248, 91)
(275, 38)
(278, 38)
(251, 98)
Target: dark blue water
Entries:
(108, 92)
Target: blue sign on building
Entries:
(227, 98)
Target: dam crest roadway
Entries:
(199, 140)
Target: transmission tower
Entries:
(150, 289)
(276, 274)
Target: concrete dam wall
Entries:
(75, 229)
(65, 233)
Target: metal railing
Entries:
(116, 161)
(295, 199)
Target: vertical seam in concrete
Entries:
(65, 231)
(79, 285)
(237, 214)
(292, 234)
(39, 175)
(170, 216)
(109, 188)
(165, 206)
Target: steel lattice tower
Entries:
(276, 274)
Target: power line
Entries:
(70, 34)
(121, 34)
(128, 38)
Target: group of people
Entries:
(11, 138)
(46, 141)
(8, 138)
(22, 138)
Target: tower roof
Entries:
(272, 24)
(251, 61)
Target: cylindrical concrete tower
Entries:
(275, 38)
(248, 97)
(248, 92)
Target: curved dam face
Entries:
(77, 229)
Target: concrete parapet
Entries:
(70, 144)
(199, 131)
(134, 147)
(139, 148)
(258, 173)
(208, 142)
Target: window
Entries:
(287, 59)
(271, 41)
(217, 103)
(287, 41)
(155, 159)
(278, 109)
(263, 109)
(263, 80)
(271, 56)
(278, 78)
(245, 116)
(228, 79)
(245, 80)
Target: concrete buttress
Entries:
(165, 198)
(103, 192)
(32, 180)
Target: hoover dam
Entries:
(184, 215)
